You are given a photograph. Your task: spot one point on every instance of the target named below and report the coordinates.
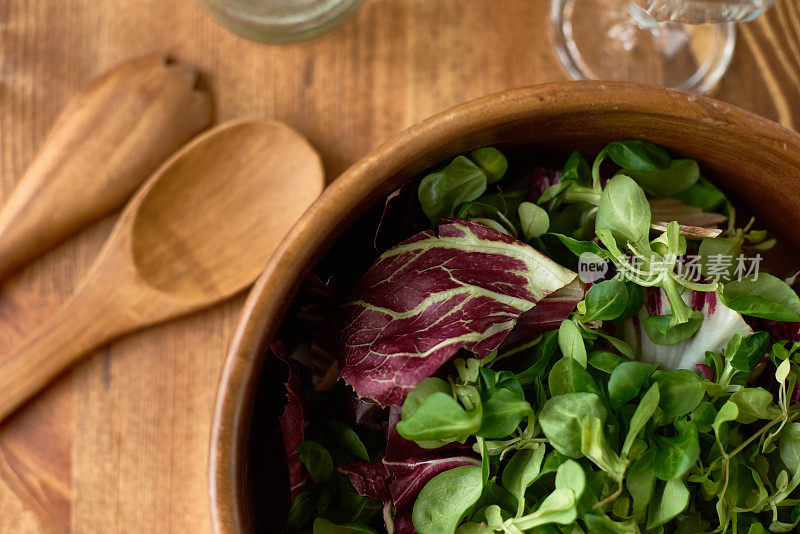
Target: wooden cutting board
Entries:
(120, 444)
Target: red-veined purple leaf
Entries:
(360, 411)
(547, 315)
(404, 470)
(411, 467)
(540, 179)
(707, 371)
(400, 218)
(780, 330)
(431, 296)
(411, 474)
(370, 479)
(402, 523)
(292, 422)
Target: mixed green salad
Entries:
(594, 349)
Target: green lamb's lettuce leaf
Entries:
(473, 528)
(521, 471)
(703, 195)
(571, 475)
(728, 412)
(638, 155)
(627, 379)
(605, 361)
(440, 418)
(676, 455)
(625, 212)
(641, 481)
(641, 416)
(576, 169)
(323, 526)
(717, 257)
(446, 499)
(558, 507)
(744, 353)
(578, 247)
(303, 507)
(317, 460)
(442, 192)
(680, 391)
(763, 296)
(562, 417)
(347, 439)
(606, 300)
(789, 447)
(571, 343)
(595, 446)
(660, 330)
(569, 376)
(492, 161)
(602, 524)
(680, 176)
(670, 499)
(534, 220)
(503, 404)
(422, 391)
(754, 404)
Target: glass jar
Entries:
(280, 21)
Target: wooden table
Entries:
(120, 444)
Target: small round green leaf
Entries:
(444, 501)
(627, 380)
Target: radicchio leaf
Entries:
(292, 422)
(370, 479)
(430, 296)
(540, 179)
(411, 467)
(316, 303)
(719, 325)
(405, 469)
(410, 475)
(400, 218)
(547, 315)
(707, 371)
(402, 523)
(780, 330)
(359, 411)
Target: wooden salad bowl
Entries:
(756, 161)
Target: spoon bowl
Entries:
(197, 260)
(199, 231)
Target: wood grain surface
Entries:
(121, 443)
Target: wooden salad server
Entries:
(199, 231)
(108, 139)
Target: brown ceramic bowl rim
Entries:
(366, 180)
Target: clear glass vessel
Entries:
(704, 11)
(280, 21)
(684, 44)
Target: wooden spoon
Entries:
(108, 139)
(199, 231)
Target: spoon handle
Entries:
(106, 142)
(55, 346)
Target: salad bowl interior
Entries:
(755, 161)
